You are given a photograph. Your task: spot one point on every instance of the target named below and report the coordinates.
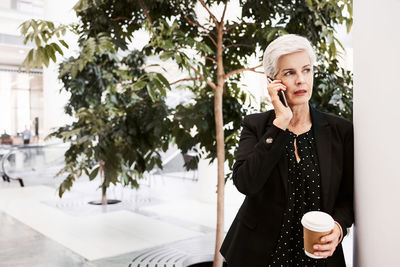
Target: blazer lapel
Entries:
(283, 164)
(322, 135)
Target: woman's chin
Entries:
(298, 102)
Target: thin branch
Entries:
(120, 18)
(146, 12)
(202, 27)
(210, 83)
(257, 71)
(194, 23)
(185, 79)
(212, 39)
(237, 45)
(209, 12)
(232, 27)
(238, 24)
(211, 59)
(230, 40)
(223, 13)
(253, 69)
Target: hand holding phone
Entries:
(281, 94)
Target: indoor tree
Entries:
(114, 102)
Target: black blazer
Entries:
(261, 173)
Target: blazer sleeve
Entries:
(344, 209)
(256, 159)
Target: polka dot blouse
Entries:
(303, 196)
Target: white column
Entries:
(377, 128)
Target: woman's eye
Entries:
(307, 70)
(288, 73)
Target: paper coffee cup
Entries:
(315, 225)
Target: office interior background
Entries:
(82, 235)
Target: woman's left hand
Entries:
(328, 243)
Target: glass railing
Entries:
(32, 164)
(39, 164)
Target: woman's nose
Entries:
(300, 79)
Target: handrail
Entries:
(4, 175)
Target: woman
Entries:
(290, 160)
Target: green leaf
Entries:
(282, 32)
(37, 41)
(66, 185)
(81, 64)
(50, 25)
(24, 27)
(151, 92)
(74, 70)
(339, 43)
(163, 80)
(178, 59)
(37, 58)
(64, 43)
(51, 52)
(160, 87)
(271, 34)
(229, 137)
(350, 8)
(34, 25)
(139, 85)
(43, 35)
(28, 60)
(28, 37)
(349, 24)
(94, 173)
(44, 56)
(57, 48)
(166, 55)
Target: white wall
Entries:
(5, 103)
(11, 19)
(53, 100)
(377, 126)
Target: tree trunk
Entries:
(219, 126)
(103, 188)
(221, 180)
(103, 195)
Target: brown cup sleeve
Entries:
(311, 238)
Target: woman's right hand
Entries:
(283, 114)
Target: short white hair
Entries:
(284, 45)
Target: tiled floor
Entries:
(39, 229)
(22, 246)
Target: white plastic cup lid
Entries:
(318, 221)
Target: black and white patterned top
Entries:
(304, 195)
